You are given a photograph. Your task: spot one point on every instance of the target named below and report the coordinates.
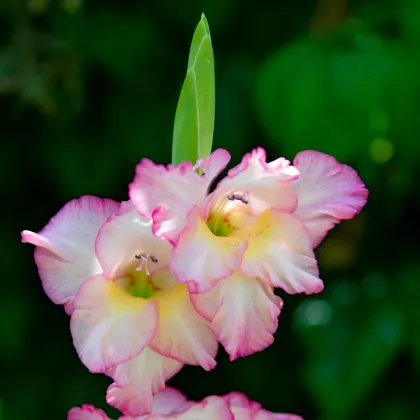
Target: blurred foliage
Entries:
(89, 88)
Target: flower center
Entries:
(229, 214)
(144, 259)
(138, 284)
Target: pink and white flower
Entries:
(171, 404)
(130, 318)
(255, 232)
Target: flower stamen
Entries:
(143, 263)
(237, 196)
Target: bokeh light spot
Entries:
(313, 313)
(381, 150)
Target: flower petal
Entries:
(201, 258)
(267, 415)
(65, 252)
(108, 325)
(124, 236)
(243, 313)
(211, 408)
(166, 194)
(280, 252)
(214, 164)
(138, 379)
(241, 407)
(327, 192)
(264, 185)
(86, 412)
(170, 400)
(182, 333)
(245, 409)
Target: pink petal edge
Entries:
(327, 192)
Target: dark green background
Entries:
(88, 88)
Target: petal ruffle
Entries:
(243, 313)
(170, 400)
(245, 409)
(138, 380)
(280, 253)
(182, 333)
(211, 408)
(86, 412)
(241, 407)
(268, 415)
(125, 235)
(65, 248)
(214, 164)
(327, 192)
(201, 259)
(108, 325)
(264, 185)
(167, 193)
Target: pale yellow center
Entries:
(138, 284)
(228, 216)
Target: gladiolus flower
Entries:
(170, 404)
(256, 231)
(130, 318)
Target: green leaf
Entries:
(194, 118)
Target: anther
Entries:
(236, 196)
(143, 263)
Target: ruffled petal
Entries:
(267, 415)
(264, 185)
(241, 407)
(214, 164)
(243, 313)
(124, 236)
(108, 325)
(327, 192)
(211, 408)
(170, 400)
(86, 412)
(182, 333)
(245, 409)
(167, 193)
(280, 252)
(138, 380)
(65, 248)
(200, 258)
